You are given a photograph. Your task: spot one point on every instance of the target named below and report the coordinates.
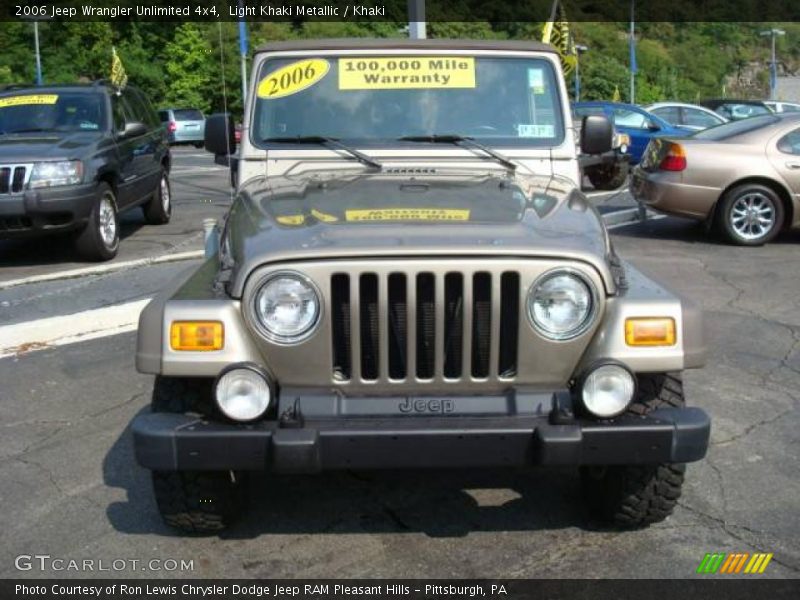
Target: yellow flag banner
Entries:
(119, 77)
(617, 97)
(556, 33)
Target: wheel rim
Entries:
(752, 216)
(165, 199)
(108, 222)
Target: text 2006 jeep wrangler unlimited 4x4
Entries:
(410, 277)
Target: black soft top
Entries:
(406, 43)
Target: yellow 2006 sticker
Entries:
(293, 78)
(406, 72)
(408, 214)
(29, 99)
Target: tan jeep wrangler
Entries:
(410, 277)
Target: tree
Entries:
(188, 68)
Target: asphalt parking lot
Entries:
(72, 489)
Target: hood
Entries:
(419, 213)
(30, 147)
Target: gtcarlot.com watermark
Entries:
(48, 563)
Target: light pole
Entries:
(579, 49)
(773, 69)
(417, 27)
(38, 56)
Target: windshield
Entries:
(188, 114)
(52, 111)
(734, 128)
(377, 99)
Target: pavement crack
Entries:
(730, 529)
(749, 429)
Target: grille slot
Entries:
(370, 338)
(427, 326)
(509, 324)
(13, 178)
(398, 326)
(340, 325)
(481, 323)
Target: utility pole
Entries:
(243, 53)
(579, 49)
(632, 48)
(417, 29)
(38, 56)
(773, 65)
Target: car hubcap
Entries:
(108, 223)
(165, 194)
(753, 216)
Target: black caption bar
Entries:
(405, 589)
(397, 10)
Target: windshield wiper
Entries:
(327, 141)
(460, 140)
(30, 130)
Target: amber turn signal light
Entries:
(198, 336)
(650, 331)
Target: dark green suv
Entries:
(72, 157)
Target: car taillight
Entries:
(172, 126)
(674, 159)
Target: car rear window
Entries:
(734, 128)
(188, 114)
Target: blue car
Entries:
(640, 125)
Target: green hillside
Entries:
(182, 65)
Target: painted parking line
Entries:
(23, 338)
(101, 269)
(600, 194)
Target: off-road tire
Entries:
(194, 501)
(638, 496)
(723, 221)
(89, 242)
(158, 209)
(607, 178)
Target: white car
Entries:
(782, 107)
(690, 116)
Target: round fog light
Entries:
(243, 394)
(608, 390)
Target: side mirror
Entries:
(134, 129)
(220, 134)
(596, 134)
(653, 126)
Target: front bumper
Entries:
(181, 442)
(35, 212)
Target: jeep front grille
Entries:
(425, 326)
(13, 178)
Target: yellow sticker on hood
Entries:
(291, 219)
(30, 99)
(408, 214)
(293, 78)
(406, 72)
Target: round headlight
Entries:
(608, 390)
(243, 394)
(561, 305)
(287, 307)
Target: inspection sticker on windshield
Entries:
(408, 214)
(536, 80)
(30, 99)
(406, 72)
(535, 131)
(293, 78)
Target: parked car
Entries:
(781, 107)
(735, 110)
(742, 177)
(74, 156)
(637, 123)
(413, 279)
(690, 116)
(184, 125)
